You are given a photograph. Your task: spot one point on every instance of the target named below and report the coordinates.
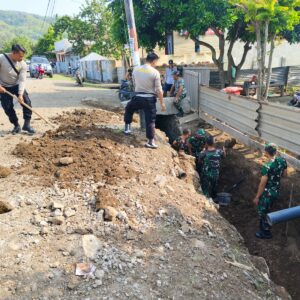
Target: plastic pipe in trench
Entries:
(283, 215)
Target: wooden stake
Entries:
(290, 204)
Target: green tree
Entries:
(91, 30)
(23, 41)
(270, 20)
(45, 44)
(155, 18)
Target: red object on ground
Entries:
(233, 90)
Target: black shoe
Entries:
(263, 234)
(16, 130)
(27, 127)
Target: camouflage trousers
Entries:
(209, 185)
(178, 104)
(265, 203)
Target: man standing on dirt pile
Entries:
(269, 187)
(147, 86)
(209, 164)
(13, 72)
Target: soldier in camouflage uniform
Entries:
(181, 144)
(269, 187)
(197, 142)
(209, 161)
(179, 92)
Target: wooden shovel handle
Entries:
(30, 108)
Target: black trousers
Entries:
(8, 104)
(148, 105)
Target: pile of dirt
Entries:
(87, 118)
(4, 172)
(93, 152)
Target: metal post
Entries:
(133, 44)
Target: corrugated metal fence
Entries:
(271, 122)
(281, 125)
(192, 85)
(237, 112)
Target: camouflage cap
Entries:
(271, 148)
(201, 132)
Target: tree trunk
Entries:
(264, 56)
(219, 62)
(269, 72)
(231, 62)
(259, 60)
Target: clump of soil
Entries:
(4, 172)
(5, 207)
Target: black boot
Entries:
(264, 232)
(16, 129)
(27, 127)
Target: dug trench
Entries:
(282, 253)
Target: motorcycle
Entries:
(39, 72)
(79, 79)
(126, 91)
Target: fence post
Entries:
(198, 93)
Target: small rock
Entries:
(160, 180)
(122, 216)
(83, 231)
(139, 253)
(44, 230)
(97, 283)
(99, 274)
(131, 235)
(36, 220)
(5, 207)
(110, 213)
(57, 220)
(69, 212)
(195, 243)
(56, 205)
(91, 245)
(185, 228)
(65, 161)
(57, 213)
(43, 223)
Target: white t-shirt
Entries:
(169, 76)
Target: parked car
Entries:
(35, 60)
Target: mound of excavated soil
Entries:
(93, 152)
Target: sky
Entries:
(39, 7)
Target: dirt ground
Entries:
(85, 193)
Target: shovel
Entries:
(28, 107)
(225, 198)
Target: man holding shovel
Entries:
(13, 72)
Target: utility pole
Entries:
(133, 41)
(133, 45)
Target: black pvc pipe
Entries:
(283, 215)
